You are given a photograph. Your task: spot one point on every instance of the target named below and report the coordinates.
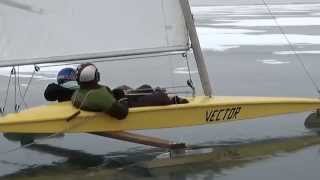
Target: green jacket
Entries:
(99, 99)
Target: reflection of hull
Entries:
(313, 121)
(222, 153)
(217, 157)
(75, 157)
(27, 138)
(63, 117)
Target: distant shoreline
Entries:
(245, 2)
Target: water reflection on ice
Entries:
(273, 61)
(296, 52)
(235, 26)
(256, 9)
(213, 31)
(211, 38)
(184, 70)
(287, 21)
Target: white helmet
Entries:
(87, 73)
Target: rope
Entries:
(145, 94)
(7, 94)
(189, 71)
(15, 89)
(36, 69)
(20, 91)
(190, 82)
(175, 87)
(305, 69)
(154, 89)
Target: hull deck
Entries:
(63, 117)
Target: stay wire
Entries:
(20, 91)
(190, 81)
(15, 88)
(36, 69)
(7, 94)
(189, 71)
(292, 48)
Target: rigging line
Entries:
(173, 92)
(175, 87)
(36, 69)
(15, 88)
(20, 91)
(190, 82)
(292, 48)
(7, 93)
(189, 71)
(156, 88)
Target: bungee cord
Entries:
(20, 91)
(189, 81)
(36, 69)
(15, 75)
(3, 109)
(15, 89)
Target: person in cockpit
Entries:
(64, 88)
(92, 96)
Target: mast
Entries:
(203, 73)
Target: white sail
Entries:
(42, 31)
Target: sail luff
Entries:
(195, 44)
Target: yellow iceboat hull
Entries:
(62, 117)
